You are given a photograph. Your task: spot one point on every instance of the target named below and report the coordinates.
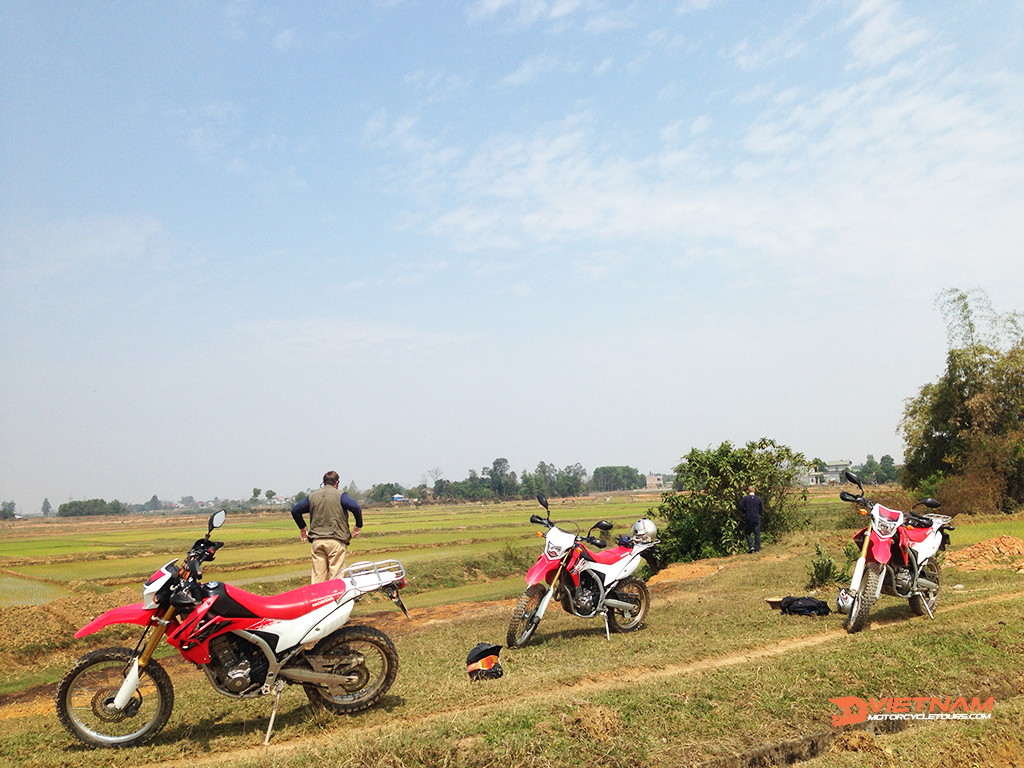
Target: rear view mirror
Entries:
(603, 525)
(217, 519)
(542, 500)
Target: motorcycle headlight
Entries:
(552, 550)
(885, 528)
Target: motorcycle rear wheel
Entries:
(522, 626)
(629, 590)
(921, 605)
(366, 654)
(865, 599)
(87, 689)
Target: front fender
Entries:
(126, 614)
(542, 571)
(881, 549)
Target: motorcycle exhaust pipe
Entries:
(318, 678)
(622, 606)
(927, 584)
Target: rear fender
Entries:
(126, 614)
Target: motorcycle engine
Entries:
(904, 580)
(236, 664)
(587, 594)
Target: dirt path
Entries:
(39, 701)
(618, 679)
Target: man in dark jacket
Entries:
(329, 534)
(751, 507)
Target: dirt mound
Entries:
(683, 571)
(56, 621)
(1000, 552)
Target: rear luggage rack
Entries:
(368, 576)
(941, 519)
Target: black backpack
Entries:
(804, 606)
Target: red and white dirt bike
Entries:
(246, 644)
(586, 583)
(897, 557)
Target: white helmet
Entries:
(845, 600)
(644, 531)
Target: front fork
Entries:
(858, 570)
(131, 678)
(546, 600)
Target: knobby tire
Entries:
(93, 680)
(377, 672)
(522, 626)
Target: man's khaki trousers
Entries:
(328, 559)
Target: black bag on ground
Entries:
(804, 606)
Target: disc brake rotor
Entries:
(102, 706)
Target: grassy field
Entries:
(715, 678)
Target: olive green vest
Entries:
(327, 518)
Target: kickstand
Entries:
(927, 608)
(607, 627)
(278, 687)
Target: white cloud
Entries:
(77, 250)
(534, 68)
(284, 39)
(883, 34)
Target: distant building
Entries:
(834, 471)
(831, 475)
(659, 482)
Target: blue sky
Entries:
(244, 243)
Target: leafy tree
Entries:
(869, 470)
(888, 472)
(270, 494)
(46, 509)
(255, 495)
(300, 496)
(383, 492)
(92, 507)
(152, 505)
(616, 479)
(7, 510)
(965, 432)
(703, 520)
(571, 481)
(502, 483)
(187, 501)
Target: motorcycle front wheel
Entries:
(865, 599)
(366, 663)
(634, 591)
(87, 690)
(923, 604)
(523, 623)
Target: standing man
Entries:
(328, 534)
(752, 508)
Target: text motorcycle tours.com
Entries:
(858, 710)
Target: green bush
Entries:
(703, 517)
(823, 570)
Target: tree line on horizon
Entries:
(964, 437)
(499, 482)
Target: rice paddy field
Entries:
(714, 678)
(475, 544)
